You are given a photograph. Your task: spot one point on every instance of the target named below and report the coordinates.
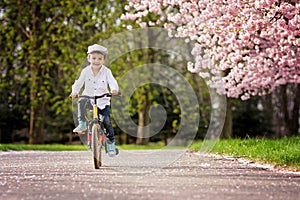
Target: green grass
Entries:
(150, 146)
(43, 147)
(284, 152)
(61, 147)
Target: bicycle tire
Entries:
(96, 147)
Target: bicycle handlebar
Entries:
(96, 97)
(99, 97)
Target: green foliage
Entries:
(150, 94)
(43, 45)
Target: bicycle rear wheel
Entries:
(96, 147)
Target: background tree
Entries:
(148, 95)
(253, 44)
(43, 43)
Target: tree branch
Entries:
(28, 35)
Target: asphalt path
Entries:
(141, 175)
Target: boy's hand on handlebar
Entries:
(114, 92)
(73, 95)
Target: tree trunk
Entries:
(37, 113)
(36, 129)
(32, 131)
(269, 110)
(285, 130)
(227, 129)
(143, 121)
(295, 112)
(143, 130)
(286, 103)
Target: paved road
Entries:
(133, 175)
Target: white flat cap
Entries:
(97, 48)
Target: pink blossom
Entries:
(258, 46)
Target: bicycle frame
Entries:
(95, 133)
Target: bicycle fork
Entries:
(91, 123)
(100, 125)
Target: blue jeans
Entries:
(104, 116)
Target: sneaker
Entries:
(81, 127)
(111, 149)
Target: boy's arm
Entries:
(77, 85)
(113, 84)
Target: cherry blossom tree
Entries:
(243, 48)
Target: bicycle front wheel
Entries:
(96, 147)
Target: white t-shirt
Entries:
(96, 85)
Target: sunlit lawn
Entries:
(282, 152)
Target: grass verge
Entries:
(158, 145)
(283, 152)
(61, 147)
(42, 147)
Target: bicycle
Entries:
(96, 137)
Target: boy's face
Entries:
(96, 59)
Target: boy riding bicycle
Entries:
(96, 79)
